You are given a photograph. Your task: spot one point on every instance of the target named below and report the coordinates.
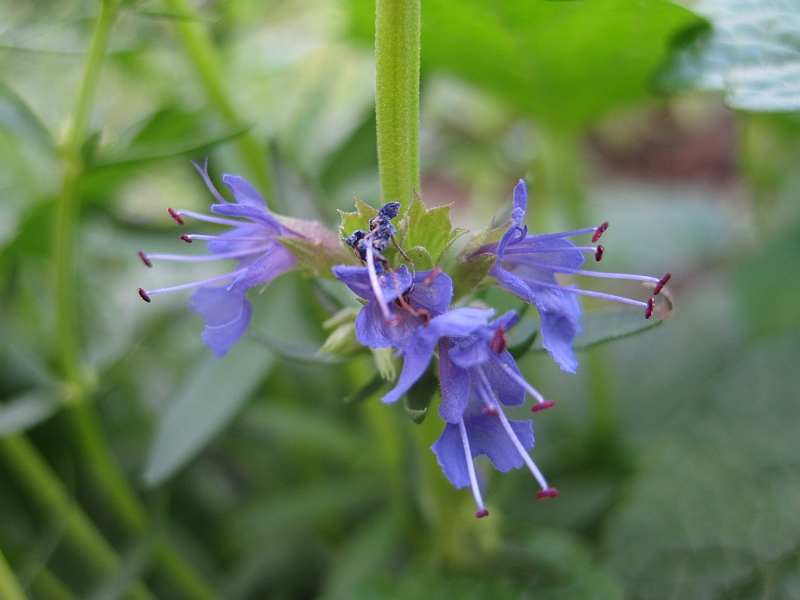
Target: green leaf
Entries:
(203, 407)
(429, 229)
(421, 258)
(566, 63)
(27, 410)
(16, 116)
(419, 398)
(358, 219)
(717, 498)
(751, 52)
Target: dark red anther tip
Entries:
(599, 231)
(542, 405)
(661, 283)
(175, 216)
(482, 513)
(490, 411)
(548, 493)
(499, 340)
(144, 295)
(186, 238)
(598, 254)
(648, 312)
(144, 258)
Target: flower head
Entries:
(526, 266)
(478, 377)
(250, 241)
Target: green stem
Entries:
(10, 589)
(561, 176)
(47, 585)
(46, 491)
(397, 47)
(200, 49)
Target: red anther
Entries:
(599, 231)
(175, 216)
(648, 312)
(186, 238)
(144, 295)
(598, 254)
(395, 320)
(482, 513)
(548, 493)
(542, 405)
(661, 283)
(490, 411)
(499, 340)
(144, 258)
(425, 315)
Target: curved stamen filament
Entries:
(196, 284)
(376, 285)
(209, 184)
(568, 271)
(563, 234)
(473, 481)
(580, 292)
(224, 238)
(208, 257)
(485, 389)
(519, 380)
(592, 249)
(209, 218)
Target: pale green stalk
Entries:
(10, 589)
(397, 47)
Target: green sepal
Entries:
(317, 248)
(418, 398)
(430, 229)
(471, 265)
(421, 258)
(386, 363)
(342, 340)
(358, 219)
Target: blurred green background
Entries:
(135, 464)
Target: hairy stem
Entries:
(397, 47)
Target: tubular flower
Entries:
(250, 241)
(526, 266)
(478, 376)
(418, 316)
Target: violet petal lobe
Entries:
(258, 215)
(449, 451)
(454, 382)
(276, 261)
(435, 298)
(508, 391)
(226, 314)
(244, 193)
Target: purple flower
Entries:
(417, 316)
(250, 241)
(478, 376)
(526, 266)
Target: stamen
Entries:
(144, 295)
(484, 388)
(542, 405)
(144, 258)
(186, 238)
(189, 286)
(522, 383)
(206, 218)
(209, 184)
(567, 271)
(224, 238)
(598, 255)
(589, 293)
(499, 340)
(599, 232)
(428, 281)
(376, 286)
(592, 249)
(174, 214)
(661, 283)
(547, 493)
(564, 234)
(207, 257)
(649, 310)
(473, 481)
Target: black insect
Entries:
(380, 235)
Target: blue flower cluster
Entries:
(411, 312)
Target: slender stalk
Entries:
(201, 52)
(93, 443)
(45, 490)
(10, 589)
(47, 585)
(397, 47)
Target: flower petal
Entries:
(436, 297)
(275, 261)
(487, 436)
(357, 279)
(227, 316)
(455, 385)
(508, 391)
(517, 217)
(260, 215)
(449, 451)
(244, 193)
